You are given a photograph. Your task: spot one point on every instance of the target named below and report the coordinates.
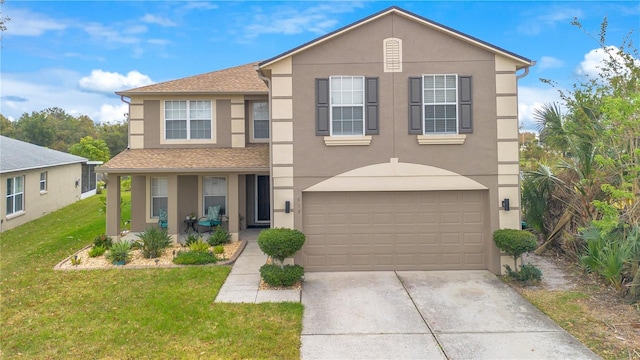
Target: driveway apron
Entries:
(426, 315)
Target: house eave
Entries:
(182, 170)
(188, 92)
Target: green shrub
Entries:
(280, 243)
(219, 237)
(191, 238)
(154, 242)
(199, 246)
(120, 252)
(194, 258)
(75, 260)
(275, 275)
(515, 242)
(96, 251)
(103, 240)
(218, 249)
(527, 273)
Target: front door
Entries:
(263, 202)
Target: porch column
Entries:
(233, 210)
(173, 227)
(113, 206)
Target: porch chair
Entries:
(163, 219)
(212, 219)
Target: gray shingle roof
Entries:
(16, 155)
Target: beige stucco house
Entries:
(37, 181)
(392, 143)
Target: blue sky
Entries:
(75, 54)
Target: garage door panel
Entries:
(394, 231)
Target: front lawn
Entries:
(152, 313)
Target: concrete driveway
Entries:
(426, 315)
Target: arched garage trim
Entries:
(397, 176)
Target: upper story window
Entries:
(187, 119)
(43, 181)
(261, 120)
(347, 105)
(15, 195)
(440, 104)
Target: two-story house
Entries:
(392, 143)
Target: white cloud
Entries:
(534, 25)
(594, 60)
(529, 100)
(110, 112)
(27, 23)
(108, 82)
(548, 62)
(200, 5)
(153, 19)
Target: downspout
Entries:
(129, 121)
(526, 71)
(268, 81)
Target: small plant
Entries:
(120, 253)
(191, 238)
(527, 274)
(103, 240)
(280, 243)
(75, 260)
(219, 237)
(218, 249)
(154, 242)
(199, 246)
(275, 275)
(96, 251)
(515, 242)
(194, 258)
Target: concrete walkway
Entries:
(242, 284)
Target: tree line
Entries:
(54, 128)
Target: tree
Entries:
(115, 135)
(6, 127)
(90, 148)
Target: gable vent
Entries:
(392, 48)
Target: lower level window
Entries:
(43, 181)
(15, 194)
(215, 193)
(159, 195)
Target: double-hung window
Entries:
(186, 120)
(159, 195)
(261, 120)
(43, 181)
(15, 195)
(215, 193)
(347, 105)
(440, 104)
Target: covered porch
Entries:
(186, 182)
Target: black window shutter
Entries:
(464, 92)
(322, 107)
(371, 107)
(415, 105)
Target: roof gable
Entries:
(522, 61)
(16, 155)
(240, 79)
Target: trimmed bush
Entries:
(199, 246)
(103, 240)
(219, 237)
(154, 242)
(527, 274)
(275, 275)
(194, 258)
(120, 252)
(280, 243)
(515, 242)
(96, 251)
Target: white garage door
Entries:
(426, 230)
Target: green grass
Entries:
(118, 314)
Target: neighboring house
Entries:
(37, 181)
(392, 143)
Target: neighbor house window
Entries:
(187, 119)
(43, 181)
(260, 120)
(347, 105)
(15, 194)
(440, 104)
(215, 193)
(159, 195)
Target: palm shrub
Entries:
(199, 246)
(515, 243)
(154, 242)
(192, 237)
(219, 237)
(120, 252)
(96, 251)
